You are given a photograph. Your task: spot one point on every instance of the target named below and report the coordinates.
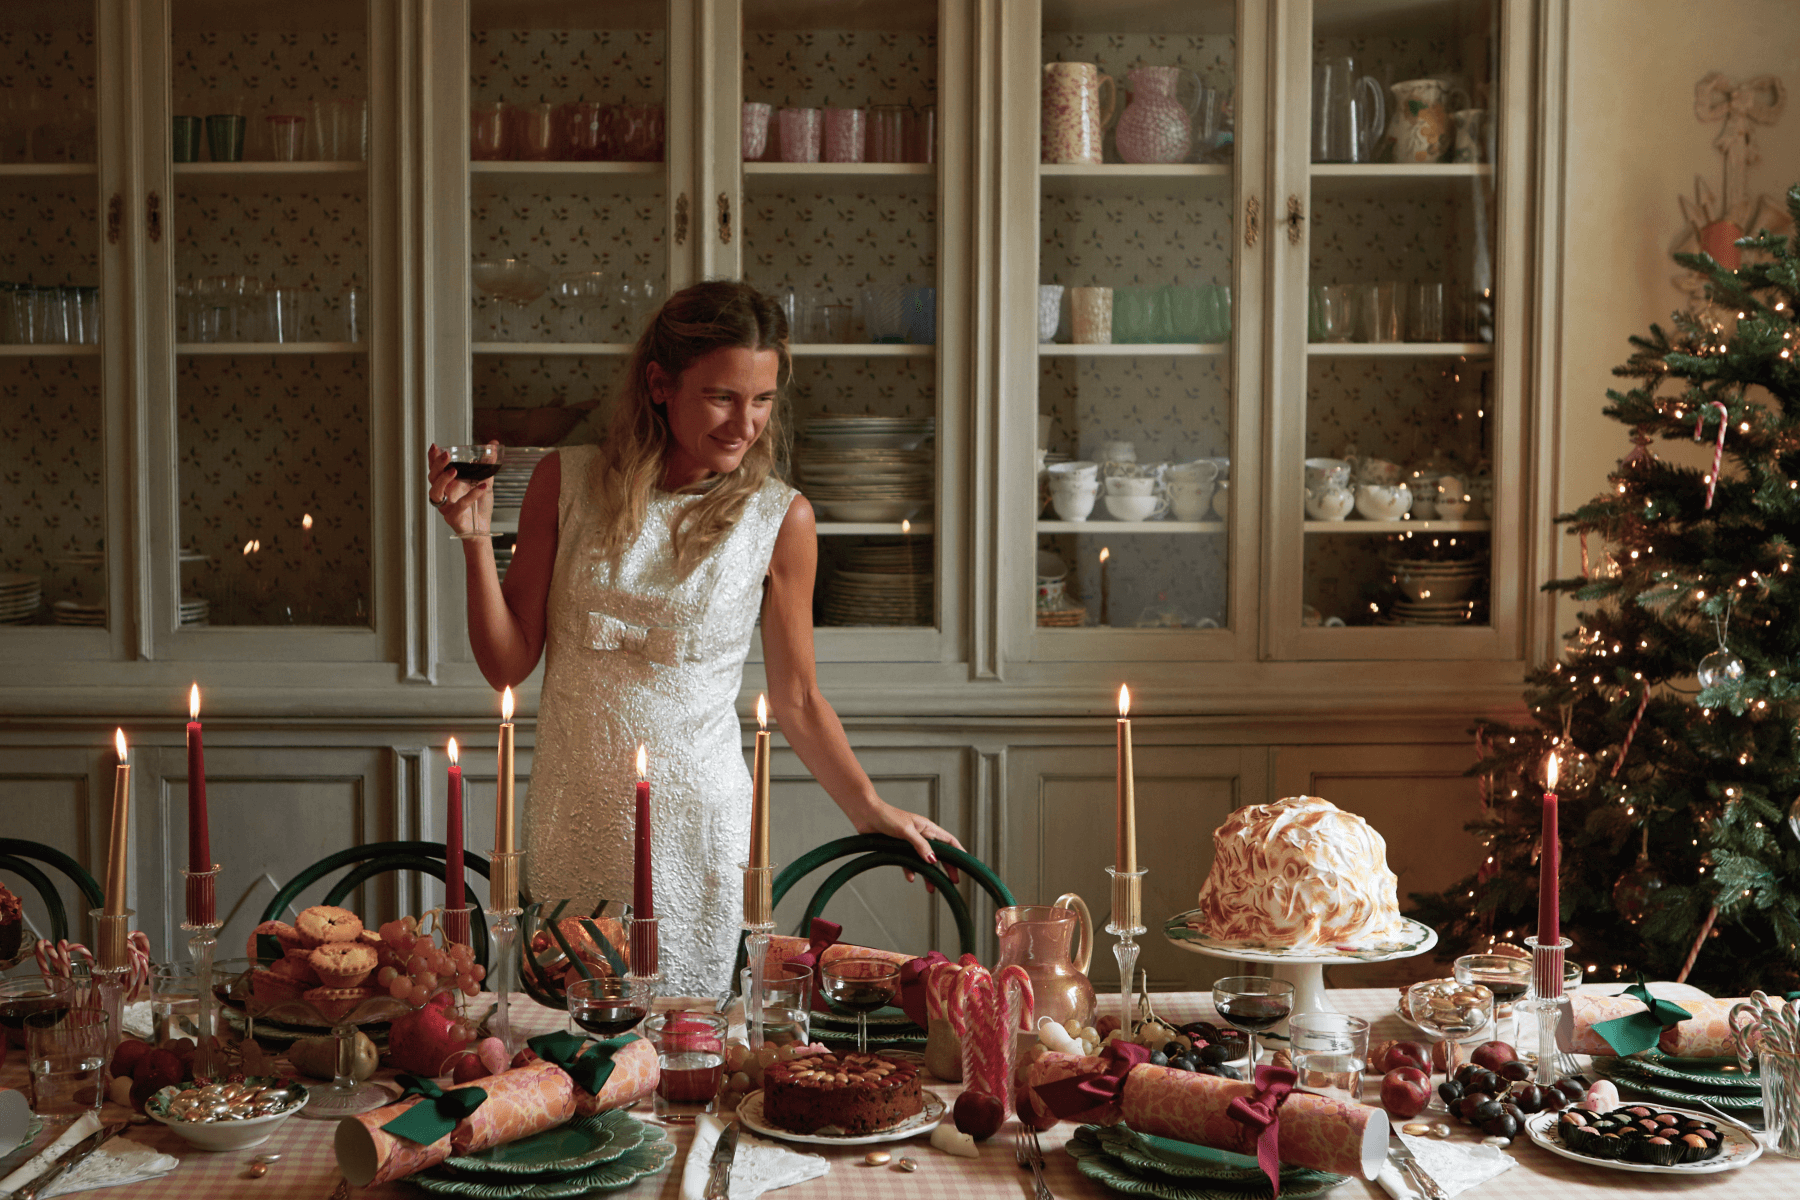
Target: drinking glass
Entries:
(887, 133)
(831, 323)
(186, 137)
(1452, 1010)
(288, 310)
(884, 312)
(352, 317)
(66, 1049)
(583, 130)
(580, 298)
(342, 129)
(515, 284)
(787, 1005)
(1253, 1004)
(1380, 312)
(225, 137)
(755, 130)
(487, 132)
(690, 1050)
(1337, 312)
(921, 316)
(287, 134)
(1215, 312)
(846, 135)
(535, 131)
(1134, 314)
(174, 1001)
(604, 1006)
(801, 132)
(1508, 978)
(21, 997)
(1425, 313)
(1330, 1051)
(637, 300)
(921, 134)
(861, 985)
(88, 298)
(472, 465)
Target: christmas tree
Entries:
(1673, 706)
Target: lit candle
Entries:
(453, 837)
(759, 789)
(643, 904)
(199, 842)
(306, 543)
(503, 807)
(121, 820)
(1105, 587)
(1549, 931)
(1125, 852)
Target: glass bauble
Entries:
(1575, 771)
(1631, 894)
(1794, 818)
(1721, 666)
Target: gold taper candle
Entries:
(759, 789)
(503, 807)
(1125, 852)
(121, 821)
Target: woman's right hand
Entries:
(465, 507)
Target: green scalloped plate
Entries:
(1176, 1159)
(32, 1128)
(1706, 1072)
(581, 1145)
(1621, 1071)
(1094, 1162)
(646, 1158)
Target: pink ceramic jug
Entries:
(1156, 127)
(1075, 112)
(1054, 943)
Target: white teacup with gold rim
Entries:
(1136, 508)
(1379, 502)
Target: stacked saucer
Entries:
(1431, 612)
(516, 465)
(1438, 591)
(195, 610)
(886, 581)
(20, 596)
(71, 612)
(858, 431)
(867, 468)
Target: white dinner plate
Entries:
(751, 1114)
(1736, 1148)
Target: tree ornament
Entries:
(1576, 771)
(1633, 892)
(1712, 480)
(1641, 454)
(1721, 666)
(1793, 817)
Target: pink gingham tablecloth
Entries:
(308, 1170)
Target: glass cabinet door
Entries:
(269, 228)
(1400, 447)
(1136, 323)
(53, 511)
(839, 151)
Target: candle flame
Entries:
(194, 702)
(905, 526)
(452, 752)
(306, 520)
(643, 762)
(506, 704)
(1105, 553)
(248, 546)
(762, 712)
(119, 743)
(1550, 774)
(1124, 702)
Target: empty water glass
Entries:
(1337, 312)
(351, 317)
(580, 298)
(845, 134)
(921, 134)
(487, 132)
(887, 133)
(288, 311)
(1380, 312)
(287, 135)
(802, 130)
(1330, 1050)
(884, 312)
(1425, 313)
(755, 130)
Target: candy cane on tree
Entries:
(1643, 703)
(1712, 481)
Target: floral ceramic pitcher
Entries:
(1075, 112)
(1156, 127)
(1419, 129)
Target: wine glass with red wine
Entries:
(861, 986)
(28, 994)
(604, 1006)
(473, 465)
(1253, 1004)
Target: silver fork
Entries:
(1402, 1154)
(1030, 1154)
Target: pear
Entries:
(317, 1057)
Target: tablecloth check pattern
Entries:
(308, 1169)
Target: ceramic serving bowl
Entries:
(206, 1131)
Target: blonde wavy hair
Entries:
(693, 323)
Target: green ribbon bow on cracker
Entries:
(1641, 1031)
(426, 1123)
(591, 1070)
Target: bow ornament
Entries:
(1753, 102)
(661, 644)
(1082, 1093)
(1640, 1031)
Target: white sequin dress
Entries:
(635, 654)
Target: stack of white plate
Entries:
(516, 465)
(858, 431)
(891, 556)
(1441, 592)
(877, 598)
(195, 611)
(20, 596)
(71, 612)
(867, 468)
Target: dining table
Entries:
(307, 1167)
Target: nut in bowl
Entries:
(227, 1116)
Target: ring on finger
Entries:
(438, 501)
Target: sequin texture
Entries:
(636, 654)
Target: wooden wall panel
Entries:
(49, 796)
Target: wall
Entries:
(1633, 145)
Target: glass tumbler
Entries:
(1330, 1051)
(1380, 312)
(756, 130)
(690, 1050)
(921, 134)
(287, 134)
(225, 137)
(802, 130)
(487, 132)
(887, 133)
(845, 135)
(1337, 312)
(1425, 313)
(67, 1051)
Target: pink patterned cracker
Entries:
(1706, 1034)
(634, 1076)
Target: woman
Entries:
(642, 565)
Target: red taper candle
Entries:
(642, 903)
(453, 837)
(199, 842)
(1549, 927)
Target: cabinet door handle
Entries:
(1252, 220)
(153, 216)
(681, 219)
(1296, 219)
(115, 218)
(724, 219)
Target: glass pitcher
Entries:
(1054, 943)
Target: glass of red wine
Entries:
(21, 997)
(1507, 977)
(1253, 1004)
(604, 1006)
(473, 465)
(861, 986)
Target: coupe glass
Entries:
(1451, 1009)
(860, 985)
(514, 284)
(1253, 1004)
(604, 1006)
(21, 997)
(474, 464)
(1508, 978)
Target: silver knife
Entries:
(718, 1177)
(68, 1162)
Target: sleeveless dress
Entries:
(636, 654)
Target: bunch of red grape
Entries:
(420, 968)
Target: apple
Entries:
(1389, 1055)
(978, 1114)
(468, 1068)
(1493, 1055)
(1405, 1091)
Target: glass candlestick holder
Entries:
(1126, 925)
(645, 973)
(112, 976)
(203, 925)
(759, 923)
(1546, 1001)
(457, 924)
(503, 888)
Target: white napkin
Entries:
(46, 1158)
(1456, 1167)
(118, 1161)
(757, 1167)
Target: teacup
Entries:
(1118, 452)
(1201, 470)
(1326, 472)
(1379, 502)
(1189, 500)
(1136, 508)
(1115, 469)
(1221, 504)
(1073, 502)
(1073, 470)
(1051, 591)
(1378, 471)
(1223, 465)
(1332, 502)
(1124, 485)
(1452, 510)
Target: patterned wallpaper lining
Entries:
(52, 494)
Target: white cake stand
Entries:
(1305, 969)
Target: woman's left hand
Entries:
(913, 828)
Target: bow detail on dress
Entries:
(1640, 1031)
(1071, 1097)
(426, 1123)
(589, 1070)
(661, 644)
(1257, 1113)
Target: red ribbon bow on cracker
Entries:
(1258, 1114)
(1069, 1098)
(912, 986)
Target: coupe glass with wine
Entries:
(861, 986)
(474, 465)
(604, 1006)
(1253, 1004)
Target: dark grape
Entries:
(1450, 1092)
(1215, 1054)
(1572, 1087)
(1158, 1059)
(1231, 1073)
(1487, 1110)
(1518, 1071)
(1504, 1125)
(1174, 1049)
(1529, 1098)
(1466, 1072)
(1186, 1062)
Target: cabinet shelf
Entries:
(21, 172)
(1362, 180)
(637, 176)
(1101, 526)
(208, 348)
(1128, 349)
(1399, 349)
(1122, 179)
(872, 529)
(54, 350)
(868, 177)
(548, 348)
(1367, 528)
(222, 175)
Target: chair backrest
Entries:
(378, 858)
(17, 855)
(880, 850)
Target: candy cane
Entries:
(986, 1039)
(1015, 986)
(1643, 703)
(137, 951)
(1712, 481)
(939, 979)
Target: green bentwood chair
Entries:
(17, 855)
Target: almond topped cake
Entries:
(858, 1093)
